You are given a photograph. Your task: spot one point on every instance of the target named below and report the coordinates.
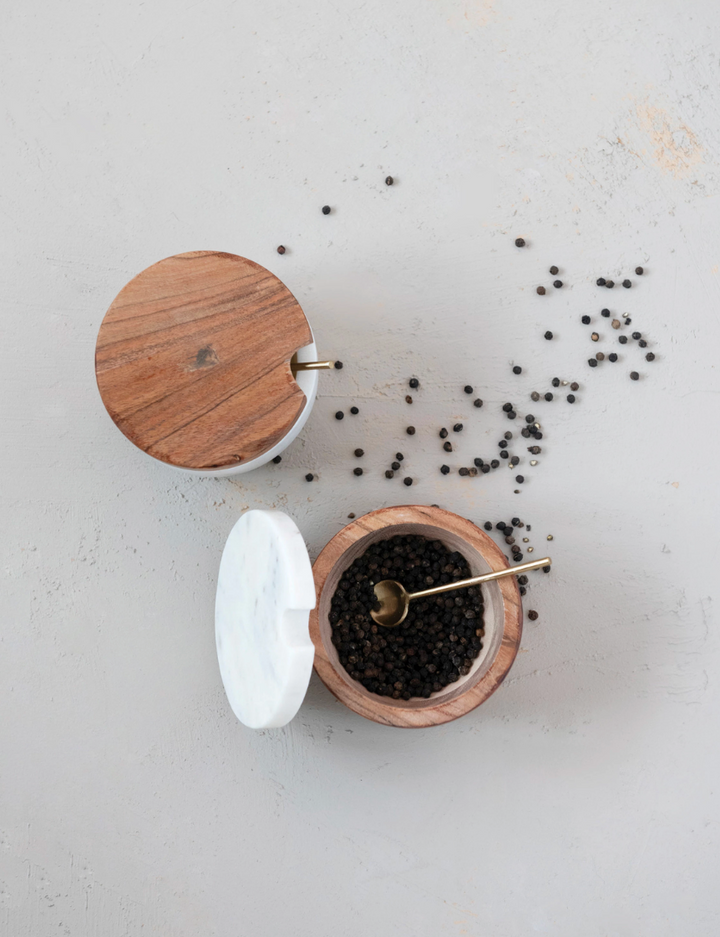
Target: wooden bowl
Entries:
(502, 615)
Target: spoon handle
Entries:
(486, 577)
(312, 365)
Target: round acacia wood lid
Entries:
(193, 360)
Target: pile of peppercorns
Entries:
(440, 637)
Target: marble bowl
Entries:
(502, 617)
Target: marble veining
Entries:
(264, 595)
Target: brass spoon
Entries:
(393, 600)
(311, 365)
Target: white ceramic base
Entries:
(308, 383)
(264, 595)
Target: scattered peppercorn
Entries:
(351, 515)
(534, 395)
(410, 430)
(389, 473)
(443, 433)
(494, 463)
(503, 454)
(525, 432)
(592, 362)
(339, 415)
(357, 471)
(359, 453)
(555, 382)
(627, 284)
(277, 459)
(605, 313)
(457, 428)
(548, 335)
(534, 449)
(548, 396)
(445, 469)
(389, 180)
(414, 383)
(557, 284)
(507, 435)
(503, 444)
(600, 356)
(507, 407)
(612, 356)
(574, 386)
(468, 389)
(529, 418)
(649, 356)
(407, 481)
(487, 525)
(519, 242)
(326, 209)
(477, 403)
(637, 335)
(281, 249)
(546, 569)
(519, 479)
(553, 270)
(600, 281)
(339, 365)
(309, 477)
(395, 466)
(639, 271)
(447, 446)
(615, 323)
(399, 456)
(354, 411)
(532, 615)
(463, 471)
(642, 343)
(511, 415)
(585, 320)
(517, 369)
(485, 469)
(408, 398)
(571, 398)
(609, 284)
(595, 337)
(622, 339)
(540, 290)
(634, 376)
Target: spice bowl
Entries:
(502, 618)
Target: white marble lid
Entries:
(264, 595)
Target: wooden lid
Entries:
(193, 360)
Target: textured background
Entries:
(581, 799)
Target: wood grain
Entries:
(502, 618)
(193, 360)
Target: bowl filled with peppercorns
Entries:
(452, 650)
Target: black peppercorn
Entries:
(605, 313)
(642, 343)
(457, 428)
(494, 463)
(517, 369)
(468, 389)
(395, 466)
(281, 249)
(548, 396)
(592, 362)
(548, 335)
(410, 430)
(309, 477)
(359, 453)
(557, 284)
(540, 290)
(408, 398)
(534, 395)
(553, 270)
(600, 281)
(525, 432)
(339, 365)
(612, 356)
(507, 435)
(503, 454)
(326, 209)
(519, 479)
(339, 415)
(600, 356)
(407, 481)
(634, 376)
(511, 415)
(443, 433)
(529, 418)
(609, 284)
(507, 407)
(571, 398)
(478, 462)
(534, 449)
(389, 180)
(399, 456)
(487, 525)
(445, 469)
(546, 569)
(477, 403)
(639, 271)
(447, 446)
(354, 411)
(522, 580)
(277, 459)
(622, 339)
(519, 242)
(463, 471)
(585, 320)
(357, 471)
(414, 383)
(503, 444)
(627, 284)
(389, 473)
(532, 615)
(538, 435)
(574, 386)
(637, 335)
(485, 469)
(501, 525)
(649, 356)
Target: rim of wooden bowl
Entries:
(492, 665)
